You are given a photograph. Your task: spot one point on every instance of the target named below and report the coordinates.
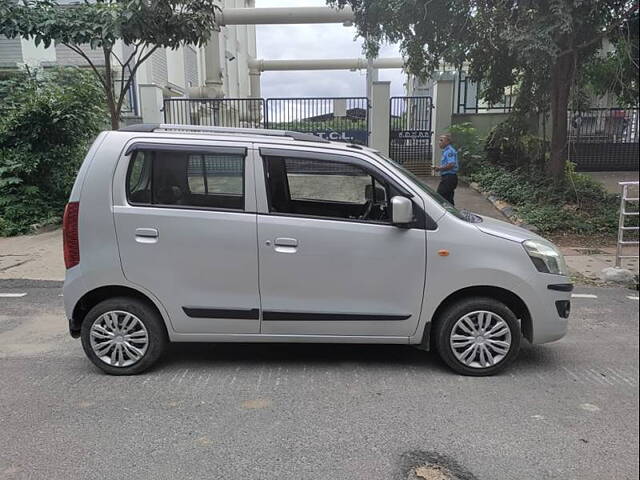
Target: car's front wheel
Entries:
(477, 336)
(123, 336)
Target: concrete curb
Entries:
(38, 228)
(505, 208)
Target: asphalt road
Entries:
(567, 410)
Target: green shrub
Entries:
(511, 145)
(581, 205)
(44, 134)
(467, 141)
(514, 171)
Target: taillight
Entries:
(70, 243)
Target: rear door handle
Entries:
(147, 235)
(147, 232)
(286, 245)
(286, 242)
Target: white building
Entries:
(220, 69)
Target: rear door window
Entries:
(187, 179)
(215, 174)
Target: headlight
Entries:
(546, 257)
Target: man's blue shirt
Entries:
(449, 155)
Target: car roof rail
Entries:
(167, 127)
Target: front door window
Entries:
(326, 189)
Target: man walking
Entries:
(448, 168)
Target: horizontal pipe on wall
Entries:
(273, 16)
(324, 64)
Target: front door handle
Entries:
(286, 242)
(147, 235)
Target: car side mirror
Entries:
(401, 211)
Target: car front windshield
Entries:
(463, 215)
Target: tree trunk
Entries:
(112, 104)
(561, 78)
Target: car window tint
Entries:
(216, 174)
(328, 181)
(139, 178)
(321, 188)
(186, 179)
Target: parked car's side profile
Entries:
(195, 234)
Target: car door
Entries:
(187, 233)
(331, 262)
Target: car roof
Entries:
(258, 135)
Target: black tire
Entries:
(148, 316)
(448, 319)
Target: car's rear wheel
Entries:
(123, 336)
(477, 336)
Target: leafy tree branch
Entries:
(540, 46)
(106, 25)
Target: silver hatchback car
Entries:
(177, 233)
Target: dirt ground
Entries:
(582, 241)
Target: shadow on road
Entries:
(285, 354)
(208, 355)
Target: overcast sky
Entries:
(276, 42)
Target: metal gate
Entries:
(604, 139)
(219, 112)
(410, 134)
(343, 119)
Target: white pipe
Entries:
(212, 63)
(254, 83)
(262, 16)
(325, 64)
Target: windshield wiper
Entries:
(470, 216)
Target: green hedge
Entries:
(48, 121)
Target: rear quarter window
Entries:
(139, 178)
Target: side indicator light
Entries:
(443, 253)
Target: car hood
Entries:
(505, 230)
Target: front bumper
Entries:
(550, 311)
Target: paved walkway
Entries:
(469, 199)
(589, 262)
(610, 179)
(36, 257)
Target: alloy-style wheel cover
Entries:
(119, 338)
(480, 339)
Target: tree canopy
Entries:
(142, 25)
(616, 70)
(541, 46)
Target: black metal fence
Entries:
(603, 139)
(344, 119)
(221, 112)
(468, 95)
(411, 133)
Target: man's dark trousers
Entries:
(447, 187)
